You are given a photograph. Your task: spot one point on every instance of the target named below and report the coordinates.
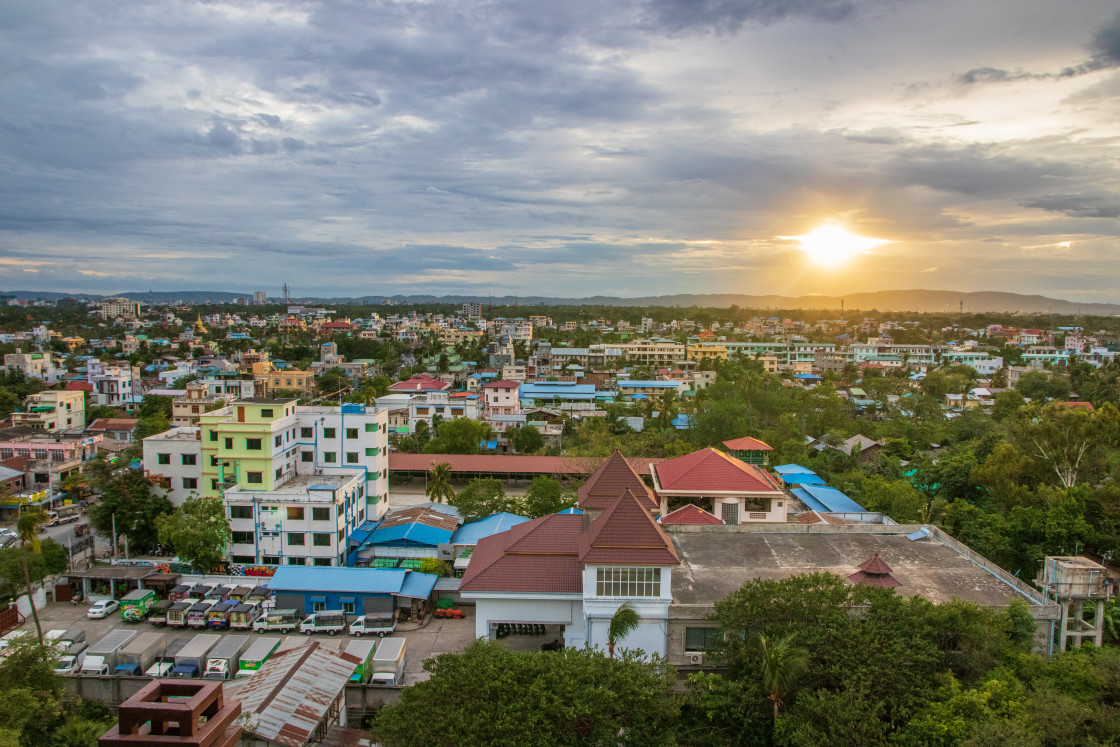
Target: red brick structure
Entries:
(199, 717)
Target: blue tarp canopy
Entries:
(828, 500)
(414, 532)
(470, 534)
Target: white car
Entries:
(103, 608)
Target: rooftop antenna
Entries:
(960, 319)
(287, 297)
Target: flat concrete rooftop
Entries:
(718, 560)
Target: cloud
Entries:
(930, 269)
(1081, 205)
(728, 16)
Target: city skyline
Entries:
(651, 148)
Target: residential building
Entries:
(630, 387)
(447, 405)
(653, 352)
(53, 410)
(175, 458)
(34, 366)
(112, 308)
(260, 298)
(53, 456)
(296, 480)
(268, 380)
(501, 397)
(114, 385)
(726, 487)
(420, 383)
(118, 429)
(185, 410)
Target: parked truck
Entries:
(135, 604)
(388, 662)
(326, 621)
(364, 651)
(179, 593)
(196, 615)
(165, 662)
(218, 616)
(139, 654)
(257, 654)
(244, 615)
(72, 658)
(102, 657)
(177, 614)
(157, 615)
(285, 621)
(69, 638)
(225, 658)
(191, 659)
(372, 625)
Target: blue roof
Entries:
(828, 500)
(421, 534)
(418, 585)
(649, 383)
(563, 390)
(682, 422)
(327, 579)
(639, 396)
(362, 533)
(803, 478)
(807, 376)
(470, 534)
(789, 469)
(570, 511)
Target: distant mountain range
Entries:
(928, 301)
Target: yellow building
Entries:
(707, 351)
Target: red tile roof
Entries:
(79, 386)
(813, 517)
(689, 514)
(499, 464)
(18, 463)
(112, 424)
(615, 476)
(625, 534)
(538, 556)
(502, 384)
(747, 444)
(709, 470)
(1083, 405)
(874, 572)
(420, 383)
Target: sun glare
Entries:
(832, 245)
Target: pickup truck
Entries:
(327, 621)
(372, 625)
(71, 660)
(285, 621)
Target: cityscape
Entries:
(483, 373)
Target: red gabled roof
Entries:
(79, 386)
(689, 514)
(504, 464)
(625, 534)
(538, 556)
(874, 572)
(112, 424)
(613, 478)
(747, 444)
(420, 383)
(1083, 405)
(502, 384)
(711, 470)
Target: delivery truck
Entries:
(239, 593)
(72, 658)
(191, 659)
(364, 651)
(257, 654)
(244, 615)
(157, 615)
(326, 621)
(165, 662)
(196, 615)
(218, 615)
(102, 657)
(388, 662)
(135, 605)
(225, 658)
(179, 593)
(69, 638)
(139, 654)
(285, 621)
(177, 614)
(372, 625)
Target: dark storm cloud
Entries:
(728, 16)
(1082, 205)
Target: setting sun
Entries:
(831, 245)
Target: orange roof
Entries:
(1084, 405)
(689, 514)
(613, 478)
(626, 534)
(541, 555)
(747, 444)
(709, 470)
(502, 384)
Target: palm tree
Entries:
(27, 529)
(782, 665)
(79, 732)
(439, 487)
(624, 622)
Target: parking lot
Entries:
(439, 636)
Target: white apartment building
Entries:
(112, 384)
(175, 456)
(447, 405)
(53, 410)
(120, 307)
(519, 330)
(34, 365)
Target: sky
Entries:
(575, 148)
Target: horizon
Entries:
(576, 150)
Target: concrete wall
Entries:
(649, 637)
(566, 612)
(25, 606)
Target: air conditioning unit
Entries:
(696, 659)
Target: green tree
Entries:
(483, 497)
(439, 487)
(27, 529)
(80, 732)
(150, 426)
(576, 696)
(783, 664)
(547, 496)
(198, 530)
(525, 439)
(1071, 442)
(155, 404)
(332, 381)
(623, 622)
(129, 497)
(458, 436)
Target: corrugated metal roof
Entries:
(421, 534)
(790, 469)
(418, 585)
(802, 478)
(828, 500)
(287, 699)
(321, 578)
(470, 534)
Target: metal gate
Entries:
(10, 619)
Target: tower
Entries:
(287, 296)
(1076, 584)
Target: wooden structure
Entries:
(176, 713)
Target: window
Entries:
(306, 433)
(242, 538)
(213, 435)
(321, 540)
(320, 514)
(213, 484)
(371, 427)
(163, 458)
(279, 473)
(351, 457)
(628, 582)
(297, 561)
(254, 478)
(190, 483)
(295, 513)
(229, 443)
(306, 456)
(330, 457)
(252, 444)
(730, 513)
(347, 607)
(328, 433)
(190, 459)
(270, 560)
(244, 559)
(371, 452)
(266, 412)
(240, 512)
(699, 639)
(279, 440)
(318, 606)
(351, 432)
(296, 538)
(213, 461)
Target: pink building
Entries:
(500, 397)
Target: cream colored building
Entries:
(53, 410)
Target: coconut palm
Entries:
(439, 487)
(624, 621)
(782, 665)
(27, 529)
(79, 732)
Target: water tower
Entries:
(1074, 582)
